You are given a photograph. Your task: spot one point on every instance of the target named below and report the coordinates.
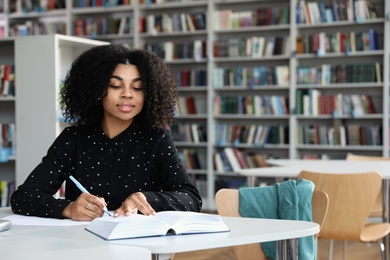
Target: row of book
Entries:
(321, 156)
(254, 46)
(170, 50)
(193, 160)
(251, 76)
(200, 183)
(94, 26)
(320, 12)
(364, 10)
(6, 189)
(7, 141)
(31, 27)
(229, 19)
(191, 77)
(229, 182)
(177, 22)
(26, 6)
(321, 43)
(191, 105)
(339, 73)
(350, 134)
(258, 135)
(251, 105)
(101, 3)
(233, 159)
(193, 133)
(7, 80)
(312, 102)
(149, 2)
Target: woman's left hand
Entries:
(133, 203)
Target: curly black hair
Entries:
(87, 81)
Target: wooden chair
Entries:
(227, 201)
(377, 210)
(351, 197)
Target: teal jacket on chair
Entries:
(286, 200)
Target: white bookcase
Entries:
(41, 63)
(36, 104)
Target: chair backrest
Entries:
(227, 201)
(377, 210)
(351, 198)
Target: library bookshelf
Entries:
(256, 79)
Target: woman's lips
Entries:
(125, 107)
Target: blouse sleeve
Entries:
(177, 190)
(35, 196)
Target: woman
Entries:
(121, 102)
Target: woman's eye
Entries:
(114, 87)
(137, 89)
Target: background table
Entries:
(289, 168)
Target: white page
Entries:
(20, 220)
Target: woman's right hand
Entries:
(85, 208)
(134, 203)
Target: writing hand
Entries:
(134, 203)
(85, 208)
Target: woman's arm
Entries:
(177, 190)
(35, 196)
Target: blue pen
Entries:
(81, 187)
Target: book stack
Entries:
(251, 46)
(251, 76)
(191, 132)
(339, 73)
(257, 135)
(319, 12)
(7, 80)
(178, 22)
(229, 19)
(170, 50)
(338, 134)
(339, 42)
(232, 159)
(6, 189)
(251, 105)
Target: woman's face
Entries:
(125, 96)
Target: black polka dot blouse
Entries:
(115, 168)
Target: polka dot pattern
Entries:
(114, 168)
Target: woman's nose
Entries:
(126, 93)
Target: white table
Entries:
(243, 231)
(20, 248)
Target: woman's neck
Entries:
(112, 129)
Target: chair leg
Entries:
(382, 248)
(345, 247)
(330, 249)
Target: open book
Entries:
(163, 223)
